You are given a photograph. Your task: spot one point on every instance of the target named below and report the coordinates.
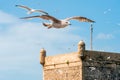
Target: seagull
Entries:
(108, 57)
(92, 68)
(108, 10)
(30, 10)
(56, 23)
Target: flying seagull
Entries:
(30, 10)
(56, 23)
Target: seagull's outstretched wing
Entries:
(25, 7)
(46, 17)
(30, 9)
(81, 19)
(40, 11)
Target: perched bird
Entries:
(56, 23)
(108, 57)
(30, 10)
(92, 68)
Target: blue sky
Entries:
(21, 40)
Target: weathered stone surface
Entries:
(101, 66)
(71, 59)
(81, 65)
(64, 73)
(94, 65)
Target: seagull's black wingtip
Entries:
(16, 5)
(23, 18)
(94, 22)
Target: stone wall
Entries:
(63, 67)
(81, 65)
(101, 66)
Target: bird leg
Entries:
(47, 25)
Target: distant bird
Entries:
(108, 10)
(108, 57)
(56, 23)
(30, 10)
(90, 59)
(92, 68)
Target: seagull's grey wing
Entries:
(46, 17)
(30, 17)
(25, 7)
(81, 19)
(41, 11)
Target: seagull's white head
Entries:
(65, 23)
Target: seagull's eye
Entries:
(66, 22)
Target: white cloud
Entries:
(6, 18)
(104, 36)
(21, 42)
(118, 24)
(34, 34)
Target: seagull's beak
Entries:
(70, 24)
